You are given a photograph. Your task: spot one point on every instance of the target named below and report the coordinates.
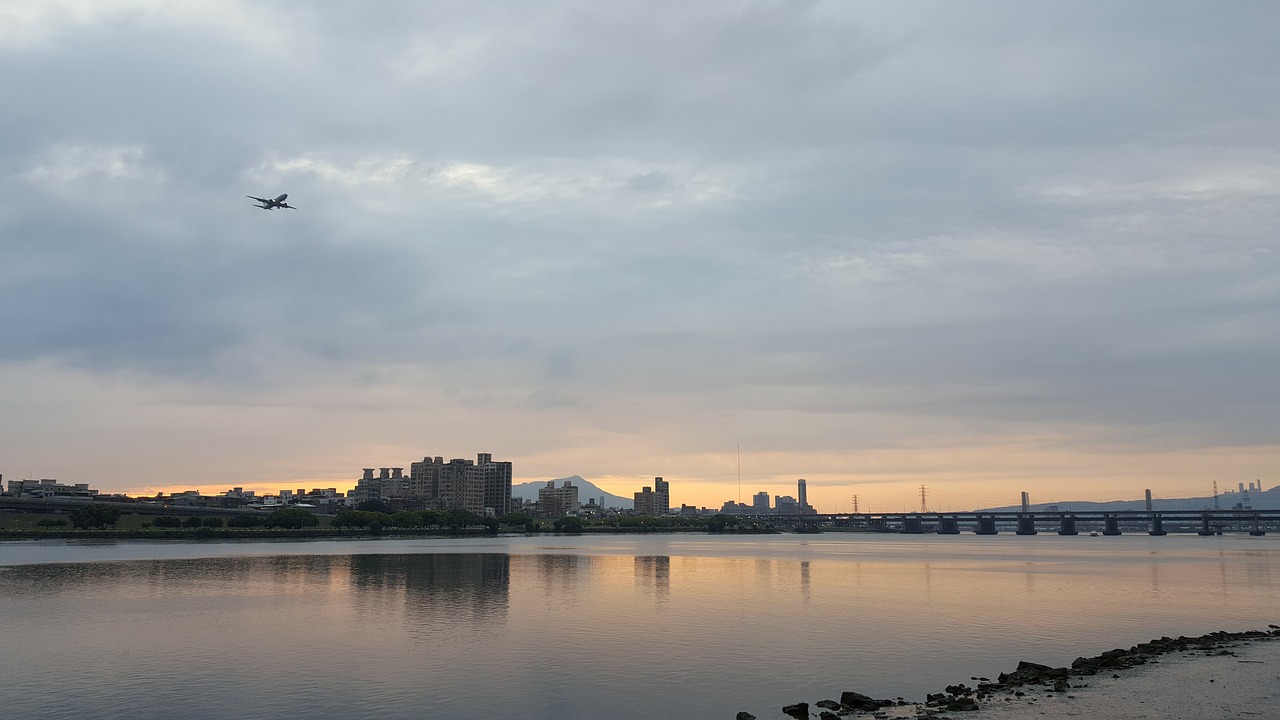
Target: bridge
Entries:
(1073, 522)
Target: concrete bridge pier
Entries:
(1026, 524)
(986, 526)
(1068, 526)
(912, 526)
(1205, 529)
(948, 525)
(1257, 530)
(1110, 525)
(1157, 526)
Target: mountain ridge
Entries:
(587, 491)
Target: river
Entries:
(623, 626)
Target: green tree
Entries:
(348, 518)
(52, 522)
(569, 524)
(405, 519)
(515, 518)
(720, 522)
(375, 506)
(458, 519)
(167, 521)
(432, 517)
(360, 518)
(291, 519)
(213, 522)
(193, 522)
(95, 515)
(245, 521)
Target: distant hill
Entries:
(587, 491)
(1266, 500)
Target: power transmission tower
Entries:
(855, 504)
(1215, 496)
(924, 507)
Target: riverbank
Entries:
(1220, 675)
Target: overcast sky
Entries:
(985, 247)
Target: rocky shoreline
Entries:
(1028, 679)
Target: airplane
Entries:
(272, 203)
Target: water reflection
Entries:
(429, 593)
(159, 578)
(694, 628)
(653, 574)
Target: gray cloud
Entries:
(824, 221)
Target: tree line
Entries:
(375, 516)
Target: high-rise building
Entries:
(496, 478)
(760, 502)
(558, 501)
(802, 494)
(482, 487)
(654, 501)
(662, 489)
(388, 485)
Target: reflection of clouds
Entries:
(431, 592)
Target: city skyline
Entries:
(989, 248)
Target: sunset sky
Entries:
(984, 247)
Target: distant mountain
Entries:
(587, 491)
(1266, 500)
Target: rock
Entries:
(1061, 685)
(1029, 673)
(828, 715)
(857, 701)
(745, 716)
(828, 704)
(962, 704)
(799, 711)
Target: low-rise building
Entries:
(50, 488)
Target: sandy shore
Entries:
(1177, 686)
(1168, 679)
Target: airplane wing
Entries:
(287, 205)
(261, 200)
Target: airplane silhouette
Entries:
(272, 203)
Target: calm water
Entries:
(564, 628)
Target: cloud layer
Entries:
(986, 247)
